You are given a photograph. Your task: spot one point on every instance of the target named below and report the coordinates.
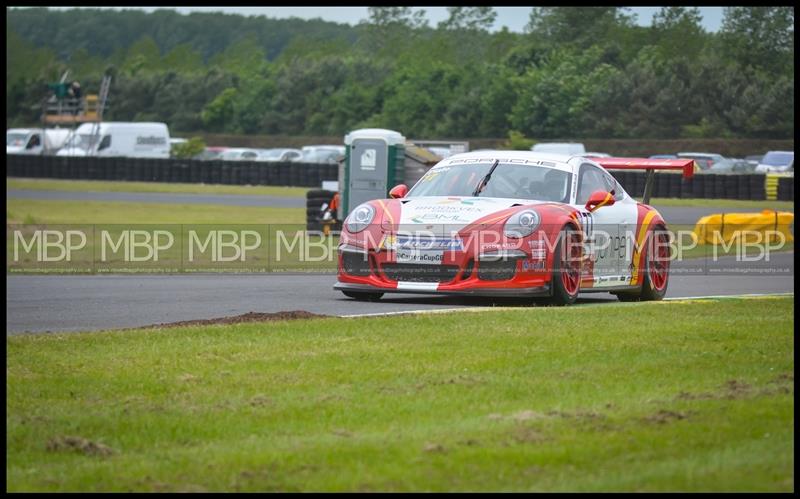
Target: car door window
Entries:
(34, 142)
(105, 143)
(590, 179)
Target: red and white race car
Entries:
(514, 224)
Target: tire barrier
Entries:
(709, 186)
(315, 198)
(773, 188)
(786, 189)
(667, 185)
(171, 170)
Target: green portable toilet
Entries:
(373, 164)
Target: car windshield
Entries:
(81, 141)
(778, 158)
(508, 181)
(15, 139)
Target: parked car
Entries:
(776, 161)
(741, 165)
(240, 154)
(754, 159)
(340, 149)
(321, 155)
(703, 160)
(210, 153)
(569, 148)
(281, 154)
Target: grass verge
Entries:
(109, 186)
(119, 212)
(724, 203)
(667, 396)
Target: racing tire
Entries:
(317, 193)
(566, 279)
(361, 296)
(655, 275)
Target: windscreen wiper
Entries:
(485, 180)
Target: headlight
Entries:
(521, 224)
(360, 218)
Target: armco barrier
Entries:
(734, 186)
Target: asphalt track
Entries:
(38, 303)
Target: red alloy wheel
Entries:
(658, 263)
(571, 263)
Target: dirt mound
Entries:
(238, 319)
(79, 444)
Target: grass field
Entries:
(725, 203)
(667, 396)
(113, 212)
(107, 186)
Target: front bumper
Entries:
(457, 273)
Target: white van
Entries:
(133, 140)
(35, 141)
(568, 148)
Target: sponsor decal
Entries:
(402, 242)
(538, 254)
(151, 141)
(368, 159)
(537, 244)
(430, 257)
(533, 265)
(510, 245)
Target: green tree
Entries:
(759, 36)
(188, 149)
(219, 113)
(469, 18)
(578, 27)
(678, 32)
(555, 100)
(142, 56)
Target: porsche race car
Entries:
(510, 224)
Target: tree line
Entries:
(588, 72)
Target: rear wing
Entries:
(687, 166)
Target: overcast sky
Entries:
(514, 17)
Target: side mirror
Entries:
(398, 191)
(599, 199)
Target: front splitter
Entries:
(536, 292)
